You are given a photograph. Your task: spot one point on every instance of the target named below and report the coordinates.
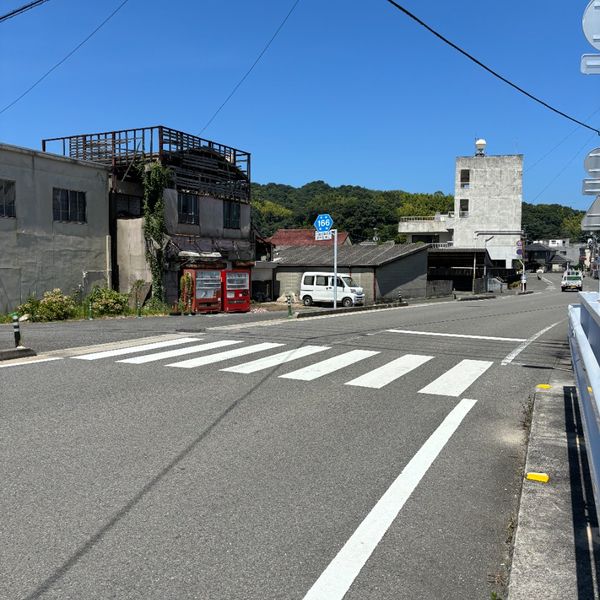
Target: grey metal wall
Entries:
(407, 275)
(36, 253)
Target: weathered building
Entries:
(207, 203)
(54, 224)
(487, 208)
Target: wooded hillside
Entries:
(366, 213)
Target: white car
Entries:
(571, 280)
(318, 287)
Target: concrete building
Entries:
(54, 225)
(487, 198)
(207, 205)
(382, 271)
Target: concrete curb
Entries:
(350, 309)
(20, 352)
(552, 555)
(475, 297)
(524, 293)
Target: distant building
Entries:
(487, 202)
(291, 238)
(54, 225)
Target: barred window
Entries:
(231, 215)
(68, 205)
(7, 198)
(188, 208)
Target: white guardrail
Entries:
(584, 340)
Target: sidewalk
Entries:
(557, 548)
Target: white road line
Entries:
(455, 381)
(335, 581)
(138, 360)
(133, 349)
(512, 355)
(390, 371)
(31, 362)
(330, 365)
(457, 335)
(213, 358)
(276, 359)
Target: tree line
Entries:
(373, 214)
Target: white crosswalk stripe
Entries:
(391, 371)
(329, 365)
(134, 349)
(139, 360)
(277, 359)
(460, 377)
(220, 356)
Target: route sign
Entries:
(519, 252)
(590, 64)
(519, 243)
(323, 235)
(591, 187)
(591, 162)
(323, 222)
(591, 23)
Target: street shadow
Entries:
(587, 551)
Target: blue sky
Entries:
(350, 92)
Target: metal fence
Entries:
(584, 340)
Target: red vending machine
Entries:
(236, 290)
(207, 290)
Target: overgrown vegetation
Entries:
(155, 178)
(105, 302)
(366, 213)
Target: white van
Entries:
(318, 287)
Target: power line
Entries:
(60, 62)
(234, 90)
(22, 9)
(491, 71)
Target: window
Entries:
(321, 280)
(464, 207)
(7, 198)
(188, 208)
(309, 280)
(68, 205)
(465, 179)
(231, 215)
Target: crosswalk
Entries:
(197, 352)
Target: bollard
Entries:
(90, 310)
(289, 304)
(16, 331)
(139, 310)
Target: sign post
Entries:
(323, 231)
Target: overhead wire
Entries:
(239, 83)
(21, 9)
(488, 69)
(60, 62)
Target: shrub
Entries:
(29, 307)
(55, 306)
(108, 302)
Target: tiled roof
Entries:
(348, 256)
(302, 237)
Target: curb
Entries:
(350, 309)
(551, 553)
(20, 352)
(475, 297)
(524, 293)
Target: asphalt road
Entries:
(381, 460)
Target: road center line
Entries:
(512, 355)
(337, 578)
(457, 335)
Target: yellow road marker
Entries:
(541, 477)
(543, 386)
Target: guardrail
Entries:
(584, 340)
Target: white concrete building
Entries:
(487, 198)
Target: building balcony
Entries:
(431, 224)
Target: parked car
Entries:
(571, 280)
(318, 287)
